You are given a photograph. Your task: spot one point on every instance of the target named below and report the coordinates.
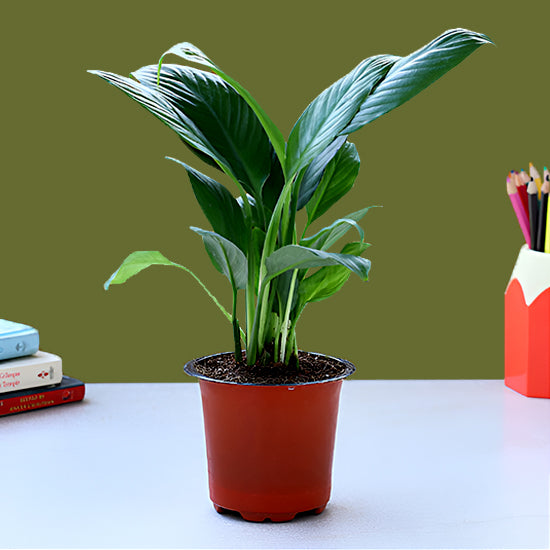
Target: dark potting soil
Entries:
(311, 368)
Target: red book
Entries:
(68, 391)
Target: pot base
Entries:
(258, 517)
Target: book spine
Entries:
(50, 398)
(30, 376)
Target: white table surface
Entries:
(418, 464)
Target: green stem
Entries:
(252, 343)
(293, 348)
(304, 232)
(214, 299)
(276, 331)
(250, 290)
(236, 334)
(255, 341)
(286, 318)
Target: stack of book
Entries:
(31, 379)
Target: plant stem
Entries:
(250, 291)
(252, 343)
(293, 348)
(236, 333)
(286, 318)
(255, 341)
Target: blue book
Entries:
(17, 340)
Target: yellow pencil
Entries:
(533, 172)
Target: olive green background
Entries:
(84, 181)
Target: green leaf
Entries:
(155, 103)
(314, 172)
(299, 257)
(328, 115)
(208, 114)
(221, 115)
(227, 258)
(415, 72)
(140, 260)
(325, 238)
(273, 186)
(337, 180)
(189, 52)
(328, 280)
(221, 209)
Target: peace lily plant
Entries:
(261, 240)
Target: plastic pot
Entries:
(270, 447)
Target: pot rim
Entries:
(189, 369)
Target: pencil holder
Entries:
(527, 325)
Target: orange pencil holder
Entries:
(527, 325)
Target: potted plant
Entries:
(270, 410)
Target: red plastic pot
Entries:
(270, 448)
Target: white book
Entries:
(40, 369)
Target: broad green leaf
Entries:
(140, 260)
(411, 74)
(299, 257)
(155, 103)
(221, 115)
(221, 209)
(330, 113)
(208, 114)
(337, 180)
(226, 257)
(314, 172)
(189, 52)
(325, 238)
(328, 280)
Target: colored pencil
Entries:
(524, 177)
(543, 208)
(532, 192)
(522, 190)
(518, 209)
(533, 173)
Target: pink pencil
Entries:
(522, 190)
(518, 209)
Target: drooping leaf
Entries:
(314, 172)
(327, 115)
(189, 52)
(155, 103)
(221, 209)
(226, 257)
(415, 72)
(329, 235)
(140, 260)
(208, 114)
(299, 257)
(338, 178)
(222, 116)
(328, 280)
